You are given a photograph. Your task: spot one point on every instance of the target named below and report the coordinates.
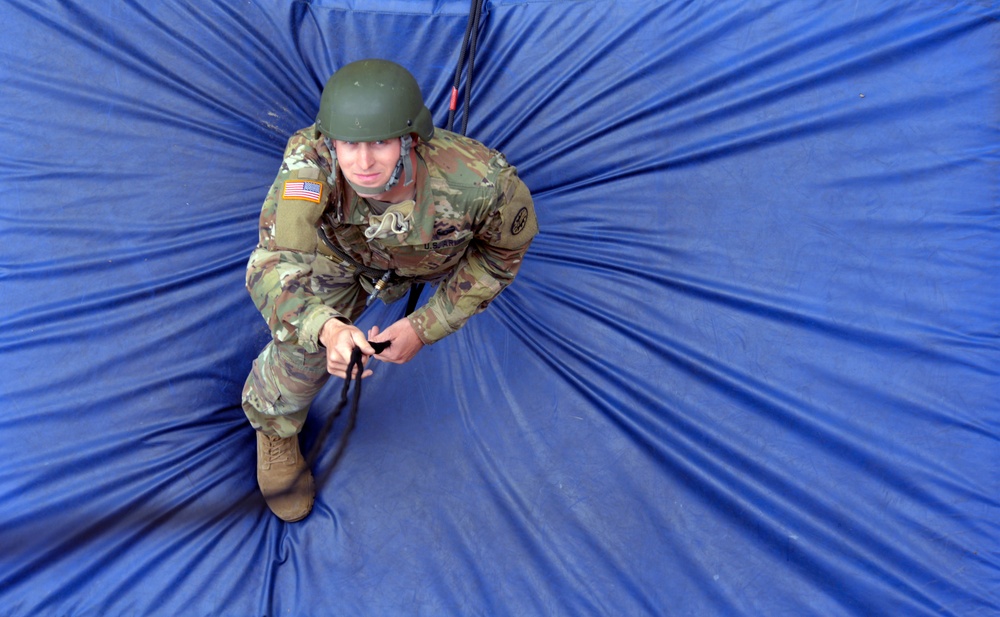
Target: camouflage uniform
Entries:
(467, 229)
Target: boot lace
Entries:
(278, 450)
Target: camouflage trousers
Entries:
(285, 378)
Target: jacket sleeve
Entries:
(280, 269)
(489, 265)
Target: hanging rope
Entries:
(466, 64)
(469, 41)
(354, 369)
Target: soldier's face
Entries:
(368, 163)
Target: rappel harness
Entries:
(379, 278)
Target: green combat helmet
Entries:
(374, 100)
(370, 100)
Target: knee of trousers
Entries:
(282, 384)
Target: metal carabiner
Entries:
(378, 286)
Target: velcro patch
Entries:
(305, 190)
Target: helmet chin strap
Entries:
(404, 167)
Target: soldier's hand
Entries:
(405, 342)
(340, 339)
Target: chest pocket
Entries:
(413, 254)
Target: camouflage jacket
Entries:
(467, 229)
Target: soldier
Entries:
(369, 200)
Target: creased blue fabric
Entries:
(750, 366)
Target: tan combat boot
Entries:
(284, 478)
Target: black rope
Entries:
(354, 369)
(475, 13)
(469, 43)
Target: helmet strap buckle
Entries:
(403, 165)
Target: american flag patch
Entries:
(302, 189)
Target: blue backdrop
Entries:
(750, 366)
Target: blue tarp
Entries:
(750, 366)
